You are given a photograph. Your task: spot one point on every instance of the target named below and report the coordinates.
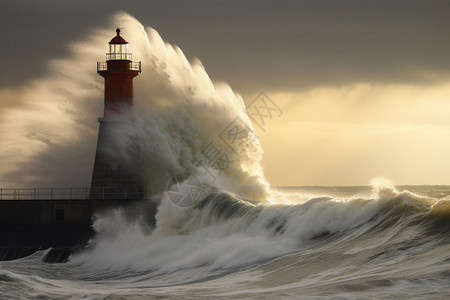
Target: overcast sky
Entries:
(364, 85)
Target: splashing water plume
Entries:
(178, 111)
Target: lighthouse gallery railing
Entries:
(134, 66)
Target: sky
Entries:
(363, 87)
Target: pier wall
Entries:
(49, 223)
(44, 212)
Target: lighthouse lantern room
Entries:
(118, 48)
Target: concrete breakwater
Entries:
(29, 225)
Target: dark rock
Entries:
(58, 255)
(16, 252)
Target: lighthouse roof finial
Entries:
(118, 39)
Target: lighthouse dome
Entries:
(118, 39)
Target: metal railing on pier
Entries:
(70, 193)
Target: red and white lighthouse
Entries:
(114, 177)
(118, 71)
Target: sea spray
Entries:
(182, 108)
(178, 111)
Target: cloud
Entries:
(255, 45)
(347, 135)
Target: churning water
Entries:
(373, 243)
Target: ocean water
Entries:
(322, 242)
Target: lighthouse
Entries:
(114, 177)
(118, 71)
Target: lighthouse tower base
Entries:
(115, 176)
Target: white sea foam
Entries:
(219, 233)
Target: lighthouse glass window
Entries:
(118, 51)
